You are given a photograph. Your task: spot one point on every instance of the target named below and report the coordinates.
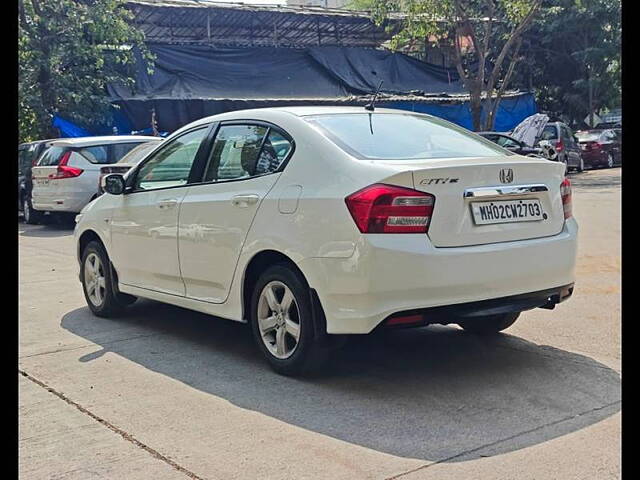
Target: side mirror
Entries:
(113, 184)
(512, 147)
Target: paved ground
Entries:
(167, 393)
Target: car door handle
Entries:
(166, 203)
(244, 201)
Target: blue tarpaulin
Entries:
(511, 111)
(68, 129)
(194, 81)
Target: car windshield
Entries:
(392, 136)
(138, 153)
(588, 136)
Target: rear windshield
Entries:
(51, 156)
(588, 136)
(392, 136)
(550, 132)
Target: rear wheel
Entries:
(97, 284)
(282, 322)
(30, 215)
(580, 167)
(489, 325)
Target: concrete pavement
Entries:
(168, 393)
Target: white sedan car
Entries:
(310, 223)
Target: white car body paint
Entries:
(360, 279)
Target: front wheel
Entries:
(489, 325)
(580, 167)
(282, 322)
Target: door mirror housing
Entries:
(114, 184)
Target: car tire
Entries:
(610, 161)
(580, 167)
(31, 216)
(97, 283)
(489, 325)
(283, 328)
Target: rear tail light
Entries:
(381, 208)
(565, 193)
(64, 171)
(559, 145)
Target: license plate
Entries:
(507, 211)
(42, 181)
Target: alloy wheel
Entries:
(278, 319)
(609, 160)
(94, 279)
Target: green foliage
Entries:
(493, 28)
(571, 50)
(68, 51)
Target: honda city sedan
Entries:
(314, 223)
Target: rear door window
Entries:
(235, 152)
(245, 151)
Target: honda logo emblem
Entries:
(506, 175)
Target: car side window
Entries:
(245, 151)
(171, 165)
(274, 151)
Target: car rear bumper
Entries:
(60, 203)
(388, 274)
(594, 158)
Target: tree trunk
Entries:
(475, 105)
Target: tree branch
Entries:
(516, 32)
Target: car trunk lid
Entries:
(511, 184)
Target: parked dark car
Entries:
(511, 144)
(600, 148)
(28, 154)
(564, 143)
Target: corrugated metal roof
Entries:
(214, 23)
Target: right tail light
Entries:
(565, 193)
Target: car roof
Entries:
(36, 142)
(93, 141)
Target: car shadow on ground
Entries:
(435, 393)
(48, 229)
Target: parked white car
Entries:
(314, 222)
(66, 176)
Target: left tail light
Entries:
(381, 208)
(565, 193)
(63, 170)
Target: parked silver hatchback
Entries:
(66, 175)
